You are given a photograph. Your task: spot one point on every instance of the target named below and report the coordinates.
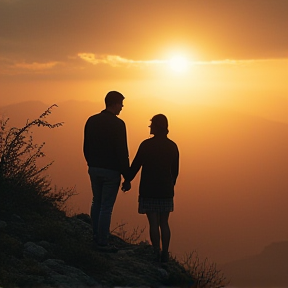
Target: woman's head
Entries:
(159, 125)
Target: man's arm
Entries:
(85, 142)
(122, 150)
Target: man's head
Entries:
(114, 102)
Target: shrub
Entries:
(205, 272)
(22, 182)
(131, 237)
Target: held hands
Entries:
(126, 186)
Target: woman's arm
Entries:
(135, 167)
(137, 162)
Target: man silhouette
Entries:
(106, 152)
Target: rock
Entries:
(163, 272)
(62, 275)
(45, 244)
(85, 218)
(3, 224)
(32, 250)
(129, 252)
(74, 225)
(16, 218)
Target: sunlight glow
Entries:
(178, 64)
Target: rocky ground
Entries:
(56, 251)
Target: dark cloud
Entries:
(52, 30)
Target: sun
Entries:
(178, 63)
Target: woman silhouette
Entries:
(159, 158)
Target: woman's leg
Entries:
(165, 231)
(153, 218)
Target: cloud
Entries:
(114, 60)
(35, 66)
(117, 61)
(12, 67)
(72, 66)
(229, 62)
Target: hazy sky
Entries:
(52, 37)
(53, 31)
(232, 53)
(166, 56)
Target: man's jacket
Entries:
(105, 142)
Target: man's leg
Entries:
(110, 189)
(96, 184)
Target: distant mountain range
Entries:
(267, 269)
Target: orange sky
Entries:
(236, 51)
(236, 61)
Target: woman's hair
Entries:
(160, 124)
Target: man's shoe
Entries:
(164, 257)
(157, 255)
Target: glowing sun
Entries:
(178, 63)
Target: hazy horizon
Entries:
(210, 192)
(216, 69)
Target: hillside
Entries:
(267, 269)
(56, 251)
(40, 246)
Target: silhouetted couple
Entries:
(106, 153)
